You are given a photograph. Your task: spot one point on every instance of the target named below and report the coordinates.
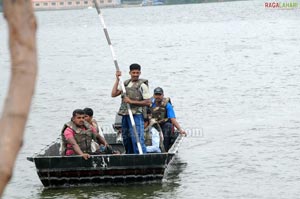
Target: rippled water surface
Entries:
(231, 69)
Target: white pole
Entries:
(120, 79)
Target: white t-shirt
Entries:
(155, 142)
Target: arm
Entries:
(115, 92)
(76, 148)
(146, 102)
(146, 97)
(171, 115)
(101, 140)
(176, 124)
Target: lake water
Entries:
(232, 72)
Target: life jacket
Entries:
(148, 135)
(83, 137)
(135, 93)
(95, 124)
(159, 113)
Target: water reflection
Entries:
(105, 191)
(172, 174)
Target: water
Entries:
(231, 70)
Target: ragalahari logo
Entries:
(282, 5)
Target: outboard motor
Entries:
(117, 126)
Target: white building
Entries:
(71, 4)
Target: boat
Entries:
(153, 2)
(55, 170)
(158, 2)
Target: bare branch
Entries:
(22, 42)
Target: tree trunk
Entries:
(22, 42)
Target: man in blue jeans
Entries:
(137, 96)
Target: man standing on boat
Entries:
(163, 112)
(137, 96)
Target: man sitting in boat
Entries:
(88, 116)
(153, 136)
(77, 136)
(163, 112)
(97, 149)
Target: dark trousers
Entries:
(167, 129)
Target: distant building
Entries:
(71, 4)
(153, 2)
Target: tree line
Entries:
(173, 1)
(191, 1)
(166, 1)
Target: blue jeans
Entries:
(129, 140)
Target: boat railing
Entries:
(176, 144)
(46, 149)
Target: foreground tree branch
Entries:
(22, 42)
